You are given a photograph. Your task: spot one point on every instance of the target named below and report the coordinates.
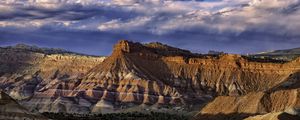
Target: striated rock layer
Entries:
(151, 74)
(252, 104)
(259, 105)
(25, 73)
(11, 110)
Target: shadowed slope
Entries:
(10, 109)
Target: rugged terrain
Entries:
(10, 109)
(27, 74)
(285, 55)
(154, 76)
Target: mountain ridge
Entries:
(141, 77)
(44, 50)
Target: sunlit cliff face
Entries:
(236, 26)
(144, 75)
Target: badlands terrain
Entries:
(149, 77)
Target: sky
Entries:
(94, 26)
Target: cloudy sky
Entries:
(93, 26)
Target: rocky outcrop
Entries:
(149, 76)
(252, 104)
(27, 73)
(35, 71)
(11, 110)
(160, 74)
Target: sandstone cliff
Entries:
(150, 75)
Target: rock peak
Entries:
(126, 46)
(123, 45)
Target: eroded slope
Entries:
(138, 75)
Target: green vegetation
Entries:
(116, 116)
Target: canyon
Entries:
(151, 77)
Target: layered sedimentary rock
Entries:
(251, 104)
(11, 110)
(265, 104)
(26, 73)
(148, 75)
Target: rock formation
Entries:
(25, 73)
(150, 76)
(11, 110)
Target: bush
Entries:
(115, 116)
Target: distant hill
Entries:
(294, 51)
(285, 55)
(33, 48)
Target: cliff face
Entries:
(186, 74)
(154, 75)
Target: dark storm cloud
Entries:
(68, 12)
(236, 26)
